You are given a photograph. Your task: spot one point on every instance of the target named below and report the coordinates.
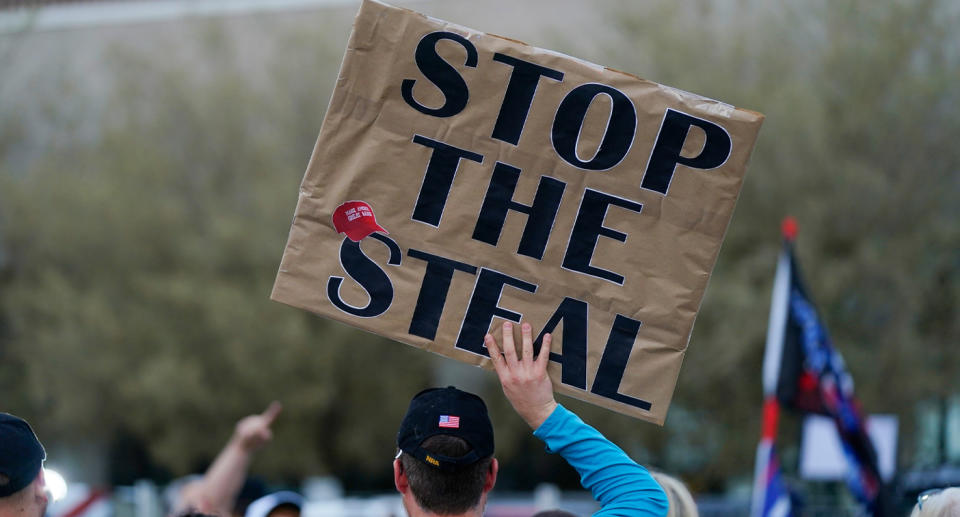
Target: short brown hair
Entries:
(446, 492)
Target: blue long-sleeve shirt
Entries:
(619, 484)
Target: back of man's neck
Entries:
(10, 509)
(419, 512)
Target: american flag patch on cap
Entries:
(450, 421)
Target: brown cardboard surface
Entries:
(375, 147)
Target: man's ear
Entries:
(39, 487)
(491, 478)
(400, 477)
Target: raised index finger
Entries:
(494, 351)
(273, 410)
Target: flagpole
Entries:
(771, 414)
(779, 300)
(772, 356)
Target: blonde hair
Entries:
(942, 504)
(678, 495)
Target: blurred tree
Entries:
(856, 145)
(139, 270)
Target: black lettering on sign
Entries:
(665, 155)
(438, 179)
(484, 305)
(617, 139)
(368, 274)
(614, 362)
(444, 76)
(519, 96)
(587, 230)
(499, 200)
(433, 292)
(573, 359)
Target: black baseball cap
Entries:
(451, 412)
(21, 455)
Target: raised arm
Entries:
(217, 491)
(620, 485)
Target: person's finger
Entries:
(544, 356)
(526, 335)
(272, 411)
(494, 351)
(509, 348)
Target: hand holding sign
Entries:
(524, 380)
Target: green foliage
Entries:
(856, 147)
(135, 264)
(139, 270)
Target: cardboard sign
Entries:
(462, 178)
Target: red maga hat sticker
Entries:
(356, 219)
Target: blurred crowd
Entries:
(445, 463)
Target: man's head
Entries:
(446, 463)
(276, 504)
(679, 499)
(938, 503)
(22, 490)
